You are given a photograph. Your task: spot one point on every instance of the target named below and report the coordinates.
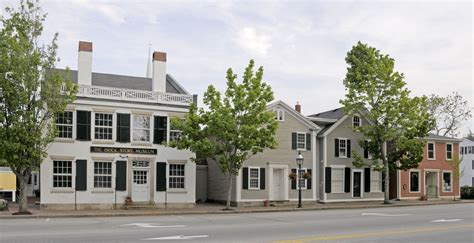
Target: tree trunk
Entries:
(23, 199)
(229, 192)
(386, 199)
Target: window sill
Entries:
(254, 189)
(137, 143)
(62, 190)
(177, 190)
(102, 190)
(64, 140)
(431, 159)
(102, 142)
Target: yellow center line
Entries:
(372, 234)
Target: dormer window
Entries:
(279, 115)
(355, 121)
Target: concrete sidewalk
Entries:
(208, 208)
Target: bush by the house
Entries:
(467, 192)
(3, 204)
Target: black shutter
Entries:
(348, 148)
(293, 181)
(293, 140)
(83, 125)
(366, 179)
(347, 179)
(160, 176)
(121, 175)
(336, 147)
(327, 182)
(309, 181)
(366, 149)
(308, 141)
(81, 175)
(383, 181)
(160, 129)
(123, 128)
(245, 178)
(262, 178)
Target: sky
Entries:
(300, 44)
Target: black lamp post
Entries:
(299, 162)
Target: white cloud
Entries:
(256, 43)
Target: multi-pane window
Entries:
(431, 150)
(62, 174)
(449, 151)
(375, 181)
(301, 180)
(301, 141)
(64, 124)
(103, 126)
(176, 177)
(337, 180)
(342, 148)
(414, 181)
(447, 186)
(103, 174)
(279, 115)
(356, 121)
(141, 128)
(175, 134)
(140, 177)
(254, 178)
(473, 164)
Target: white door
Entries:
(277, 184)
(141, 185)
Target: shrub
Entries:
(3, 204)
(467, 192)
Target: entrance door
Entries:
(356, 184)
(141, 185)
(277, 191)
(431, 184)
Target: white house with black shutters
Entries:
(110, 142)
(340, 180)
(265, 176)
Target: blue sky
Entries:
(301, 44)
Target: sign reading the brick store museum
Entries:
(122, 150)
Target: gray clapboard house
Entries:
(339, 179)
(265, 176)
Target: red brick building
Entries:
(434, 176)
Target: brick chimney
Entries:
(298, 107)
(84, 64)
(159, 72)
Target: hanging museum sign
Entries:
(119, 150)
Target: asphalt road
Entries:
(441, 223)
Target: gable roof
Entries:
(127, 82)
(432, 136)
(294, 113)
(331, 114)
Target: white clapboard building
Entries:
(110, 145)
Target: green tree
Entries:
(376, 90)
(450, 112)
(30, 94)
(232, 128)
(455, 165)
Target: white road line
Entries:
(178, 237)
(385, 215)
(148, 225)
(445, 220)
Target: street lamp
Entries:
(299, 162)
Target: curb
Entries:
(273, 210)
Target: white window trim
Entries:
(112, 175)
(73, 126)
(362, 176)
(305, 181)
(360, 121)
(452, 151)
(343, 178)
(409, 181)
(379, 189)
(451, 179)
(170, 176)
(150, 128)
(428, 151)
(368, 152)
(277, 111)
(339, 147)
(300, 149)
(172, 130)
(73, 172)
(114, 126)
(250, 187)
